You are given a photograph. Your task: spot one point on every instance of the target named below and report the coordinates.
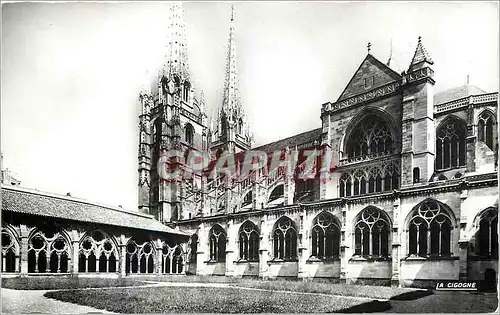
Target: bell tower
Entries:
(176, 122)
(418, 130)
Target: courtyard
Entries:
(229, 295)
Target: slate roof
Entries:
(302, 139)
(457, 93)
(33, 202)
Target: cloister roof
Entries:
(34, 202)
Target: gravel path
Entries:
(33, 301)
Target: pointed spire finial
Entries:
(369, 46)
(421, 58)
(232, 12)
(390, 56)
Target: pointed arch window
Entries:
(249, 242)
(487, 235)
(10, 252)
(248, 199)
(371, 136)
(430, 230)
(185, 91)
(371, 233)
(285, 240)
(325, 236)
(450, 144)
(217, 244)
(240, 126)
(189, 133)
(486, 129)
(98, 253)
(172, 259)
(140, 258)
(48, 251)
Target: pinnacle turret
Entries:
(421, 58)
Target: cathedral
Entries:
(411, 198)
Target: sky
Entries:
(71, 73)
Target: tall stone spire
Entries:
(232, 132)
(231, 99)
(176, 56)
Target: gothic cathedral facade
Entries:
(411, 199)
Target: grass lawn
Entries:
(57, 283)
(201, 300)
(376, 292)
(229, 300)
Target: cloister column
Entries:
(75, 261)
(230, 248)
(345, 241)
(202, 244)
(463, 240)
(159, 256)
(396, 243)
(303, 251)
(264, 247)
(123, 256)
(23, 244)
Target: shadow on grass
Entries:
(382, 306)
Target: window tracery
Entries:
(249, 242)
(371, 136)
(217, 244)
(430, 230)
(140, 258)
(285, 239)
(97, 253)
(371, 233)
(487, 236)
(10, 252)
(48, 251)
(486, 128)
(172, 259)
(325, 236)
(375, 178)
(450, 144)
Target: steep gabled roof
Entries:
(421, 55)
(369, 67)
(33, 202)
(302, 139)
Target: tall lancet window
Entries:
(249, 242)
(325, 236)
(487, 235)
(450, 144)
(189, 136)
(486, 127)
(240, 126)
(185, 91)
(217, 244)
(285, 239)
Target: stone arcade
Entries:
(411, 200)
